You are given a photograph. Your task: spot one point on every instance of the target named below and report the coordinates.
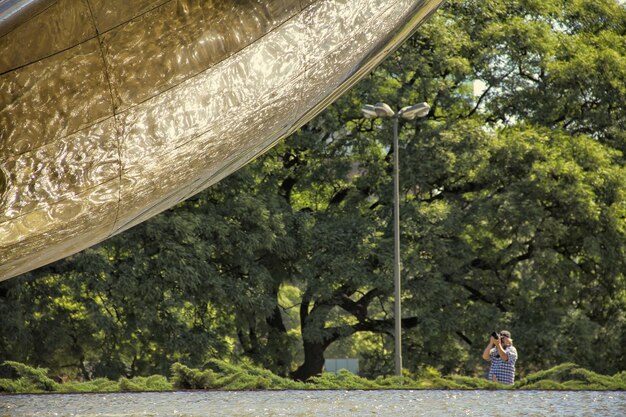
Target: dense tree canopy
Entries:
(513, 210)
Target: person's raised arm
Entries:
(492, 342)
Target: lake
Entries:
(320, 403)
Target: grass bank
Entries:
(220, 375)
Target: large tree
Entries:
(513, 196)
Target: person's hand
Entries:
(493, 340)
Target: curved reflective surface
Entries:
(112, 111)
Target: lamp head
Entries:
(369, 111)
(383, 110)
(417, 110)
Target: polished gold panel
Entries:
(103, 128)
(61, 170)
(65, 227)
(52, 98)
(108, 14)
(171, 43)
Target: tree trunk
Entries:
(313, 364)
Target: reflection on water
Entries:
(320, 403)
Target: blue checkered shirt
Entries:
(504, 371)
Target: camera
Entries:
(495, 335)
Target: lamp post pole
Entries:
(396, 250)
(407, 113)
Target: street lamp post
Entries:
(407, 113)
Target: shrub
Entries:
(184, 377)
(35, 377)
(218, 374)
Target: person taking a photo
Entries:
(502, 355)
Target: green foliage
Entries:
(342, 380)
(476, 383)
(96, 385)
(220, 375)
(142, 384)
(16, 386)
(33, 380)
(187, 378)
(571, 376)
(29, 378)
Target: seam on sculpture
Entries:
(97, 35)
(115, 121)
(60, 51)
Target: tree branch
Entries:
(359, 308)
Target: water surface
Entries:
(320, 403)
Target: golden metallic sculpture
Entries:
(112, 111)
